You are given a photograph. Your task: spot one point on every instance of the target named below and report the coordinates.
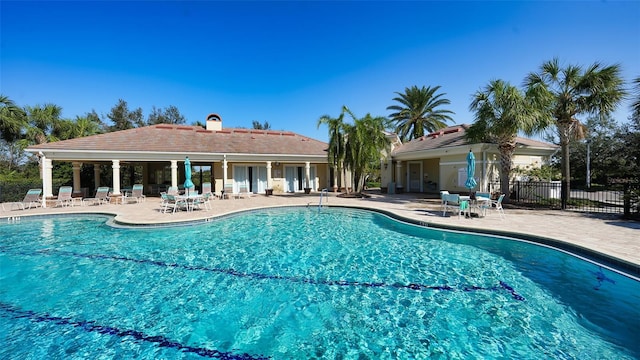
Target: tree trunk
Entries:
(565, 133)
(506, 149)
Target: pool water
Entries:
(298, 283)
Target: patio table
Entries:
(190, 200)
(476, 203)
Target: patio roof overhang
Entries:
(151, 156)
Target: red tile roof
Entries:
(184, 138)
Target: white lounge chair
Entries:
(243, 191)
(228, 191)
(64, 196)
(101, 197)
(136, 193)
(31, 199)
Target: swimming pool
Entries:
(302, 283)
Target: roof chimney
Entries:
(214, 122)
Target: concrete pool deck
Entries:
(602, 233)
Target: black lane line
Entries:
(412, 286)
(91, 326)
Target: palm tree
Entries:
(501, 112)
(418, 112)
(365, 141)
(12, 120)
(635, 106)
(335, 152)
(571, 91)
(80, 127)
(45, 124)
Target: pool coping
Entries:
(622, 266)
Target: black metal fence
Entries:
(614, 198)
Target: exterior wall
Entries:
(431, 175)
(527, 162)
(278, 174)
(449, 169)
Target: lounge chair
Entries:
(31, 199)
(243, 191)
(228, 191)
(64, 196)
(101, 197)
(136, 193)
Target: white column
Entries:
(307, 174)
(47, 180)
(76, 176)
(398, 173)
(225, 169)
(116, 176)
(96, 176)
(174, 173)
(269, 181)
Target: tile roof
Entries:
(454, 136)
(185, 138)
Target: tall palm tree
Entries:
(635, 106)
(365, 142)
(335, 152)
(572, 91)
(12, 119)
(501, 112)
(418, 112)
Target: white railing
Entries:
(323, 194)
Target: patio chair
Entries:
(202, 199)
(174, 202)
(101, 197)
(206, 188)
(64, 196)
(452, 202)
(497, 204)
(173, 190)
(32, 198)
(442, 202)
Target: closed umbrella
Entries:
(471, 171)
(188, 184)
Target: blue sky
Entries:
(289, 63)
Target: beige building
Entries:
(437, 161)
(257, 160)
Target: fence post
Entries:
(627, 200)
